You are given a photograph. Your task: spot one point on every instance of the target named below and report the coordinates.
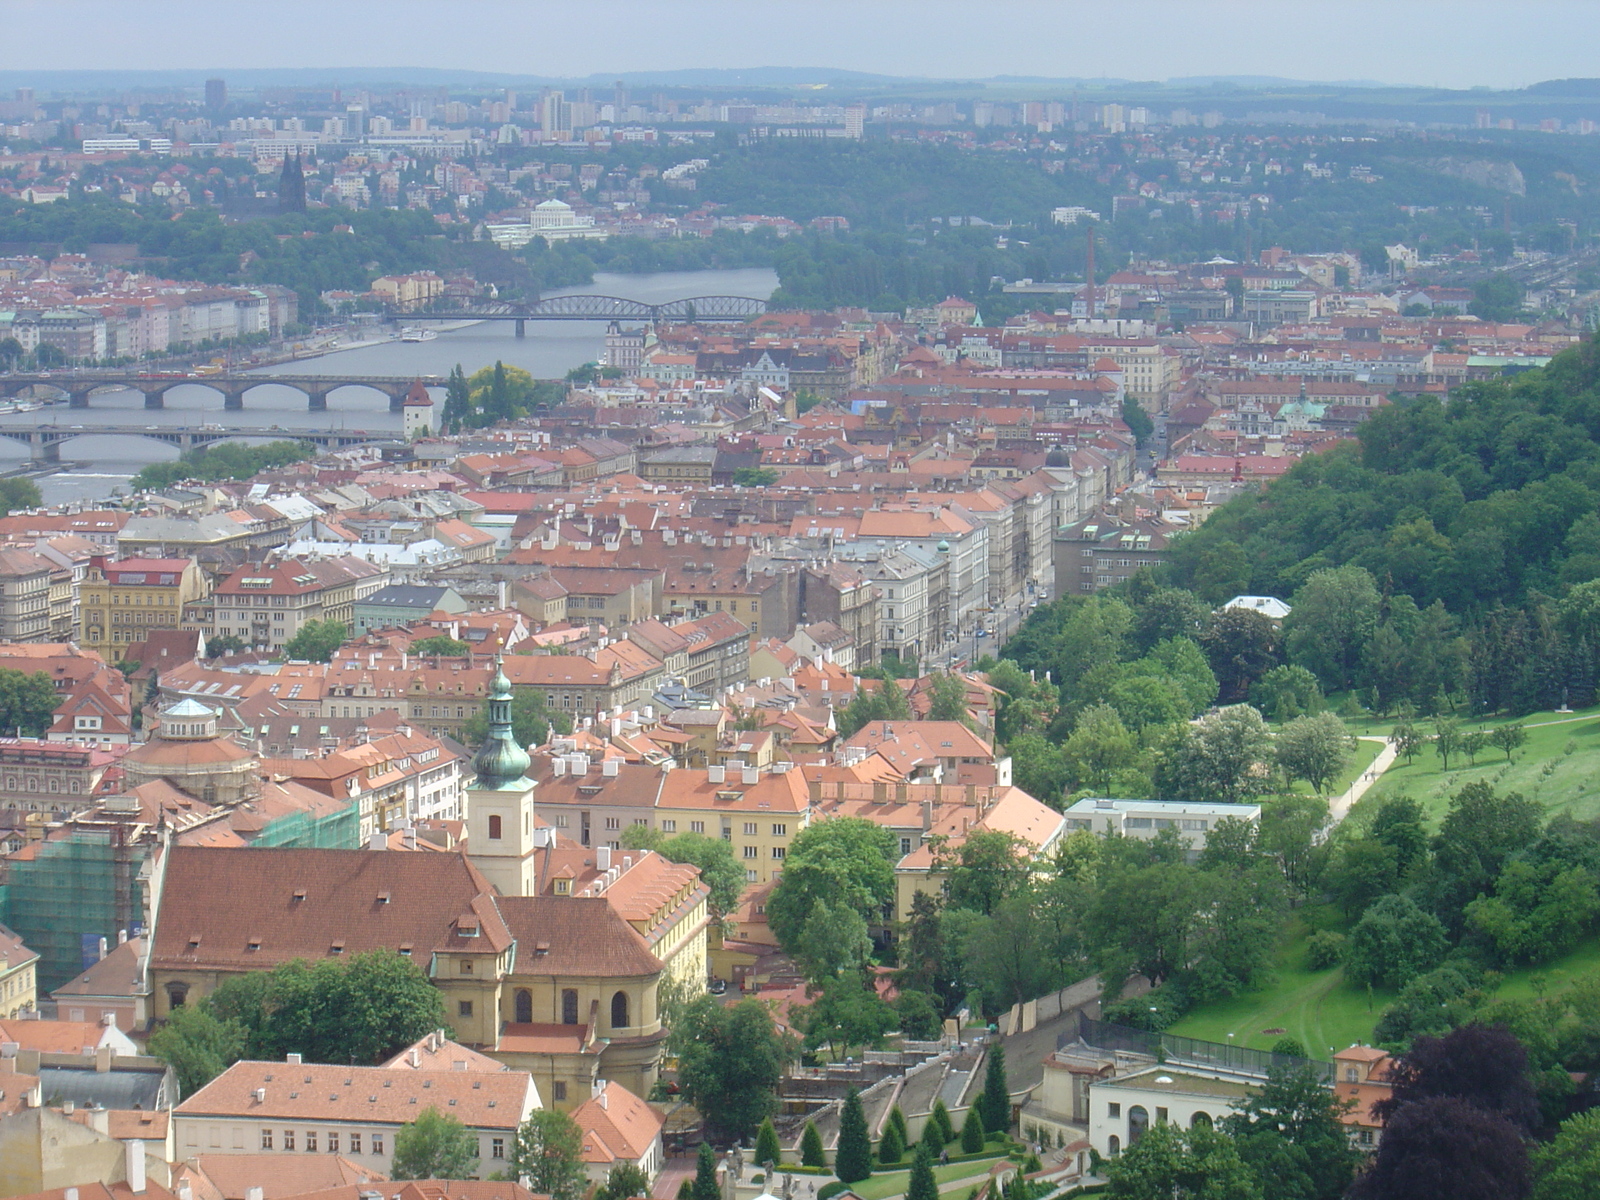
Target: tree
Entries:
(933, 1139)
(547, 1155)
(1408, 742)
(1215, 759)
(1508, 738)
(1315, 749)
(1567, 1167)
(847, 1014)
(18, 493)
(1447, 739)
(1100, 747)
(812, 1151)
(994, 1105)
(457, 402)
(442, 644)
(920, 946)
(984, 870)
(1360, 871)
(852, 1161)
(1444, 1146)
(435, 1146)
(1289, 1130)
(1167, 1162)
(947, 699)
(359, 1009)
(1335, 612)
(1287, 692)
(500, 393)
(1393, 941)
(222, 644)
(941, 1117)
(719, 870)
(705, 1174)
(624, 1182)
(27, 702)
(1138, 421)
(898, 1118)
(316, 641)
(729, 1062)
(1497, 298)
(922, 1185)
(1400, 824)
(1482, 1065)
(972, 1135)
(891, 1146)
(768, 1148)
(1242, 647)
(1223, 571)
(197, 1046)
(754, 477)
(833, 943)
(845, 861)
(918, 1015)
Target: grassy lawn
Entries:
(894, 1183)
(1556, 766)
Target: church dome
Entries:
(500, 762)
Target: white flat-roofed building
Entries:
(1120, 1110)
(1146, 818)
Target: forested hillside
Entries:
(1473, 523)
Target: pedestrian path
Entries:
(1339, 809)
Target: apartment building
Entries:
(266, 605)
(25, 596)
(1108, 549)
(122, 601)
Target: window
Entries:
(558, 1089)
(266, 1139)
(905, 846)
(669, 827)
(778, 852)
(569, 1006)
(750, 877)
(464, 966)
(355, 1143)
(1113, 1110)
(694, 826)
(311, 1139)
(464, 1008)
(377, 1144)
(333, 1142)
(750, 829)
(494, 827)
(780, 831)
(752, 851)
(613, 822)
(1161, 1115)
(523, 1004)
(619, 1011)
(497, 1147)
(288, 1139)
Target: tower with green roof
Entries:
(500, 824)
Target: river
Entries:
(550, 349)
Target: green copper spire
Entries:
(500, 762)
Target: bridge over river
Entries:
(80, 386)
(44, 441)
(598, 308)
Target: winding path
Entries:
(1341, 805)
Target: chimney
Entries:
(70, 1194)
(610, 767)
(102, 1059)
(717, 774)
(927, 815)
(133, 1154)
(254, 1193)
(68, 1107)
(460, 1064)
(558, 765)
(259, 1095)
(292, 1059)
(602, 858)
(378, 840)
(414, 1057)
(751, 774)
(102, 947)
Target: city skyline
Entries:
(1467, 43)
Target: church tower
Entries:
(500, 840)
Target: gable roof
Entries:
(574, 936)
(617, 1126)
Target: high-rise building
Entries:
(855, 121)
(555, 117)
(216, 94)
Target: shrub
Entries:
(1324, 949)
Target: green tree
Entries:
(719, 870)
(898, 1118)
(730, 1060)
(1138, 421)
(1447, 739)
(933, 1139)
(1289, 1130)
(1508, 738)
(922, 1185)
(847, 1014)
(27, 702)
(891, 1146)
(1400, 823)
(705, 1174)
(359, 1009)
(947, 699)
(531, 722)
(316, 641)
(197, 1046)
(941, 1117)
(755, 477)
(435, 1146)
(768, 1148)
(1568, 1166)
(918, 1015)
(1360, 871)
(18, 493)
(994, 1105)
(1408, 741)
(1334, 615)
(457, 402)
(845, 861)
(833, 943)
(547, 1155)
(442, 644)
(1315, 749)
(624, 1182)
(224, 644)
(1393, 942)
(1100, 747)
(1497, 298)
(1287, 692)
(1223, 571)
(972, 1135)
(1166, 1162)
(1215, 759)
(987, 868)
(853, 1158)
(224, 460)
(812, 1151)
(1241, 645)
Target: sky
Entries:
(1447, 43)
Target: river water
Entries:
(549, 350)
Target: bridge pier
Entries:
(156, 398)
(78, 398)
(318, 401)
(232, 397)
(522, 327)
(42, 451)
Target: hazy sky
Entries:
(1456, 43)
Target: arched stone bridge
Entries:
(79, 386)
(44, 441)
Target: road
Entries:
(969, 647)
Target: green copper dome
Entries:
(500, 762)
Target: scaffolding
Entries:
(77, 890)
(301, 831)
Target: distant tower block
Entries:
(216, 94)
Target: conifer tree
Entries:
(812, 1152)
(994, 1106)
(922, 1185)
(941, 1115)
(705, 1174)
(972, 1132)
(891, 1146)
(768, 1148)
(853, 1160)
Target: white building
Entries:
(1120, 1110)
(552, 220)
(1146, 818)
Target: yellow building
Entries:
(18, 986)
(121, 602)
(758, 812)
